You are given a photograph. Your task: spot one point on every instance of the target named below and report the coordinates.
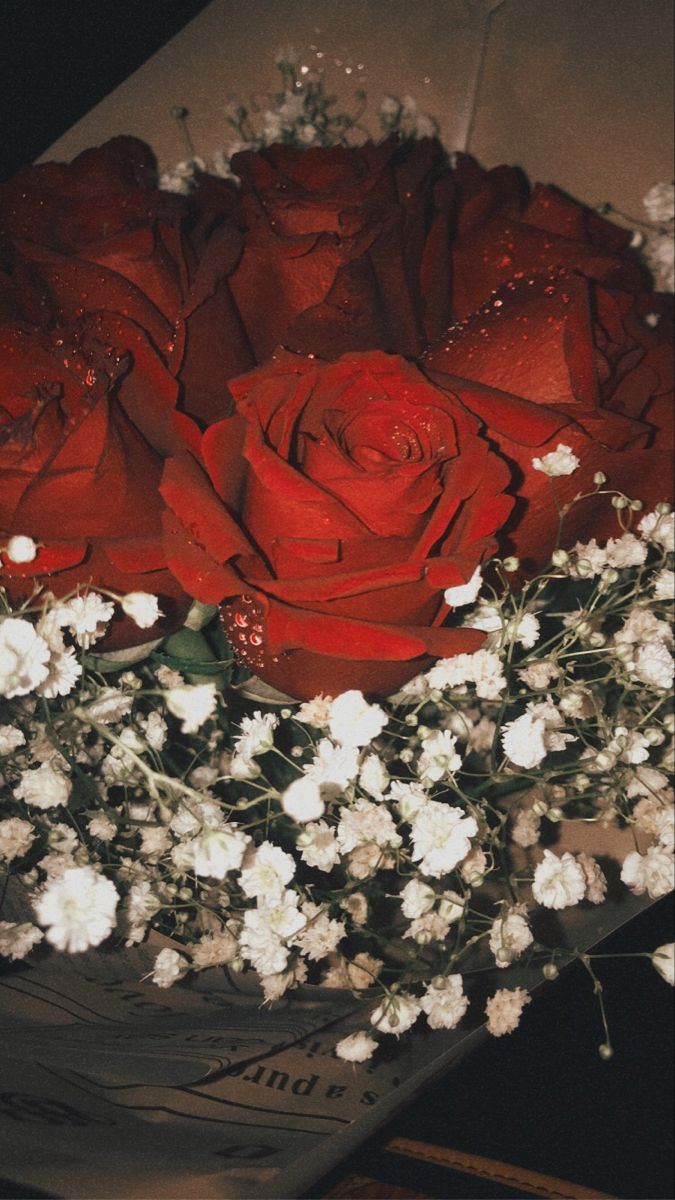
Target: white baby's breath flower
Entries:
(143, 608)
(659, 528)
(267, 872)
(663, 959)
(320, 936)
(102, 828)
(464, 593)
(374, 776)
(558, 882)
(110, 706)
(18, 938)
(64, 672)
(504, 1010)
(439, 757)
(408, 798)
(525, 827)
(356, 1047)
(365, 823)
(441, 836)
(316, 712)
(510, 935)
(154, 729)
(396, 1013)
(193, 705)
(318, 846)
(24, 657)
(444, 1002)
(44, 787)
(11, 737)
(417, 899)
(20, 549)
(333, 767)
(591, 559)
(626, 551)
(78, 909)
(16, 838)
(651, 872)
(539, 675)
(560, 461)
(302, 800)
(215, 852)
(596, 882)
(169, 966)
(664, 585)
(256, 734)
(215, 950)
(528, 739)
(653, 665)
(354, 722)
(275, 986)
(659, 202)
(86, 616)
(356, 905)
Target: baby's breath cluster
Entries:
(302, 113)
(378, 847)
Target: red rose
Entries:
(345, 248)
(83, 433)
(503, 233)
(97, 234)
(363, 492)
(555, 359)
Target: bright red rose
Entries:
(345, 248)
(556, 359)
(83, 433)
(97, 234)
(362, 493)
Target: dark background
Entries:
(58, 58)
(541, 1099)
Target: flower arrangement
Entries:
(336, 557)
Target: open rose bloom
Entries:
(362, 493)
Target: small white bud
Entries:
(620, 501)
(560, 558)
(599, 478)
(550, 971)
(21, 549)
(511, 563)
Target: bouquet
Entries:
(336, 558)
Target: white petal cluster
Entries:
(45, 787)
(504, 1010)
(396, 1014)
(651, 872)
(355, 722)
(510, 935)
(441, 836)
(439, 758)
(192, 704)
(86, 617)
(659, 528)
(78, 909)
(356, 1047)
(528, 739)
(143, 608)
(24, 656)
(560, 461)
(559, 882)
(444, 1002)
(484, 668)
(18, 938)
(16, 838)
